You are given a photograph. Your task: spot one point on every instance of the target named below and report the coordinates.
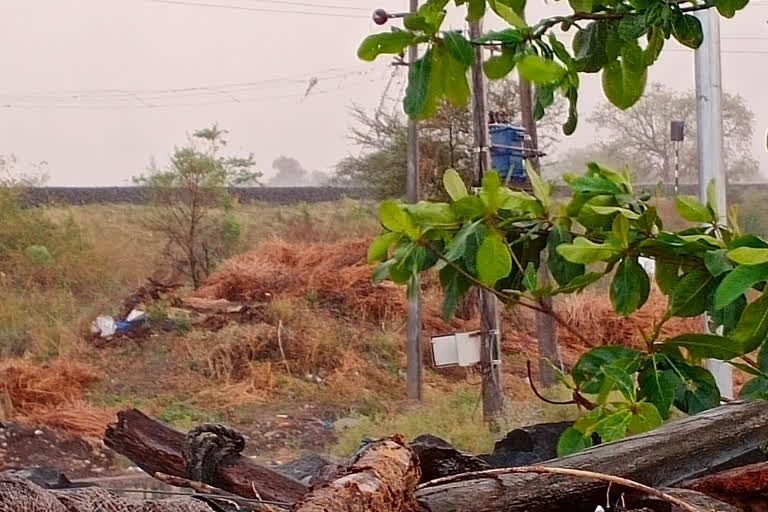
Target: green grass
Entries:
(455, 417)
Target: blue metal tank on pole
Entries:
(508, 151)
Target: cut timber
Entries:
(156, 448)
(382, 478)
(699, 500)
(745, 487)
(662, 458)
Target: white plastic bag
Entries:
(105, 326)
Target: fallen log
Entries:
(381, 478)
(745, 487)
(697, 499)
(18, 495)
(664, 457)
(158, 448)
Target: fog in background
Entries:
(98, 87)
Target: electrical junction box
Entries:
(459, 349)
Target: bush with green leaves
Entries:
(497, 239)
(620, 38)
(193, 208)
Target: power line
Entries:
(257, 9)
(309, 4)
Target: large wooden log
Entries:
(382, 478)
(662, 458)
(745, 487)
(156, 447)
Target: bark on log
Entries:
(745, 487)
(697, 499)
(382, 478)
(157, 447)
(664, 457)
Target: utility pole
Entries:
(546, 329)
(493, 396)
(415, 355)
(709, 138)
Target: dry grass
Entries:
(51, 396)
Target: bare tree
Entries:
(639, 136)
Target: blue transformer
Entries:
(507, 143)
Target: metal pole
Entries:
(677, 167)
(493, 396)
(415, 356)
(709, 138)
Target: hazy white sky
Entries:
(97, 87)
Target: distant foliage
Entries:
(194, 210)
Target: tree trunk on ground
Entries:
(745, 487)
(381, 479)
(664, 457)
(156, 447)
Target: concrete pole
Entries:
(709, 139)
(492, 389)
(414, 352)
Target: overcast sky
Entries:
(98, 87)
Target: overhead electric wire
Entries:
(309, 4)
(258, 9)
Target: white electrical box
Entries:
(460, 349)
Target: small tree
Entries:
(193, 206)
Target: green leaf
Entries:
(667, 276)
(588, 372)
(762, 359)
(712, 197)
(459, 48)
(490, 194)
(507, 13)
(379, 249)
(473, 243)
(415, 22)
(470, 207)
(510, 36)
(687, 30)
(755, 389)
(614, 426)
(630, 287)
(579, 283)
(392, 269)
(475, 10)
(531, 278)
(581, 5)
(427, 213)
(541, 188)
(457, 246)
(494, 261)
(539, 70)
(752, 329)
(569, 126)
(705, 346)
(645, 417)
(728, 317)
(585, 251)
(562, 270)
(453, 76)
(384, 42)
(589, 45)
(572, 441)
(394, 218)
(499, 66)
(417, 102)
(691, 209)
(738, 281)
(659, 387)
(655, 45)
(454, 185)
(623, 381)
(610, 210)
(691, 295)
(624, 80)
(728, 8)
(717, 262)
(699, 391)
(631, 27)
(748, 255)
(455, 286)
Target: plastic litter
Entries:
(105, 326)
